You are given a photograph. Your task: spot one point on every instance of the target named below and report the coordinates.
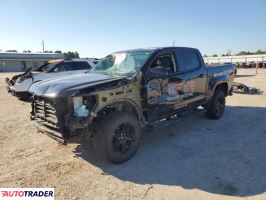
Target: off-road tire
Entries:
(105, 135)
(215, 109)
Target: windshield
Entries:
(122, 63)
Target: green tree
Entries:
(58, 51)
(11, 51)
(241, 53)
(260, 52)
(215, 55)
(245, 53)
(71, 54)
(228, 53)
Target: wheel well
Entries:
(222, 86)
(118, 106)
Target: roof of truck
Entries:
(155, 48)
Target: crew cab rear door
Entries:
(191, 64)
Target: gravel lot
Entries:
(196, 158)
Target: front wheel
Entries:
(118, 136)
(215, 110)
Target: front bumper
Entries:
(78, 126)
(21, 95)
(8, 89)
(8, 85)
(56, 122)
(53, 133)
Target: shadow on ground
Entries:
(225, 156)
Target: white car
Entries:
(19, 85)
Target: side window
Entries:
(65, 66)
(166, 61)
(56, 68)
(189, 60)
(60, 67)
(81, 66)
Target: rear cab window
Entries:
(188, 59)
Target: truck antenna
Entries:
(42, 46)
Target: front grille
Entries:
(49, 118)
(45, 111)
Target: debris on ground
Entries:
(244, 89)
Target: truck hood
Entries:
(71, 84)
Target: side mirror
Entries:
(158, 71)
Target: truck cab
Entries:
(176, 78)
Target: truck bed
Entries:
(220, 67)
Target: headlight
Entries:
(80, 109)
(77, 102)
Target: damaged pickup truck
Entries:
(127, 91)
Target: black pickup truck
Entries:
(127, 91)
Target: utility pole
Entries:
(42, 46)
(173, 43)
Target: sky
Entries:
(96, 28)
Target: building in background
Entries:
(236, 59)
(17, 62)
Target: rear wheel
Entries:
(215, 109)
(118, 136)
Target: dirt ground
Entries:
(196, 158)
